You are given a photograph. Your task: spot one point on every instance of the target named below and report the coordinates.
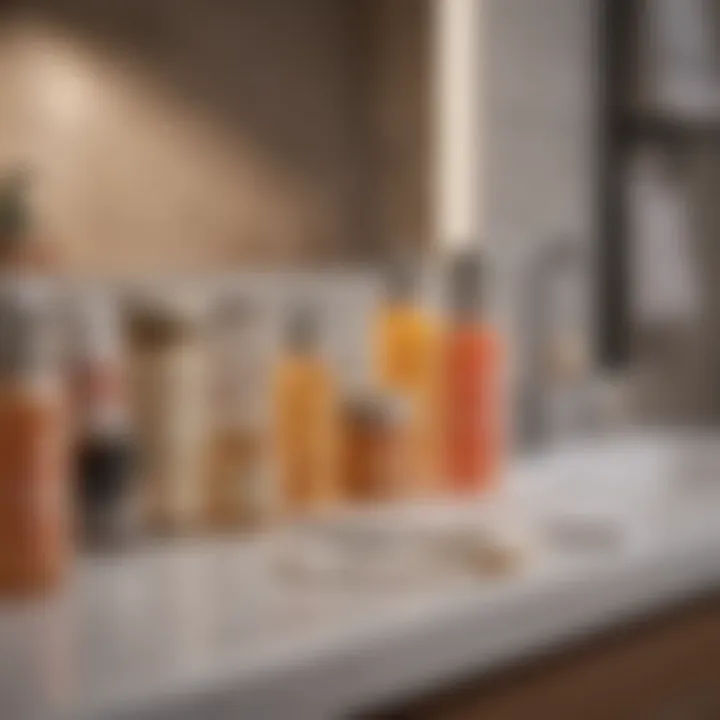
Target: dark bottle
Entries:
(104, 464)
(103, 447)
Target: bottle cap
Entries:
(466, 284)
(97, 327)
(25, 337)
(232, 310)
(378, 409)
(401, 279)
(160, 321)
(302, 331)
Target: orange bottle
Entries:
(406, 354)
(35, 523)
(375, 445)
(471, 405)
(307, 423)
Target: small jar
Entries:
(378, 448)
(35, 522)
(169, 411)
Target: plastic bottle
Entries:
(240, 491)
(472, 376)
(407, 353)
(169, 387)
(306, 413)
(35, 519)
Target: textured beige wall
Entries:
(176, 134)
(400, 121)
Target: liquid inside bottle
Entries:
(35, 521)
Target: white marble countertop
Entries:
(212, 629)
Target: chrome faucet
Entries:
(555, 265)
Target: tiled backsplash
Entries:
(192, 135)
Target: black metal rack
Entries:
(623, 125)
(616, 23)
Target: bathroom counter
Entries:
(211, 629)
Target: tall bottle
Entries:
(240, 491)
(472, 411)
(35, 522)
(169, 390)
(102, 443)
(407, 353)
(307, 423)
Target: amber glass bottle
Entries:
(471, 406)
(306, 414)
(376, 447)
(407, 352)
(35, 526)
